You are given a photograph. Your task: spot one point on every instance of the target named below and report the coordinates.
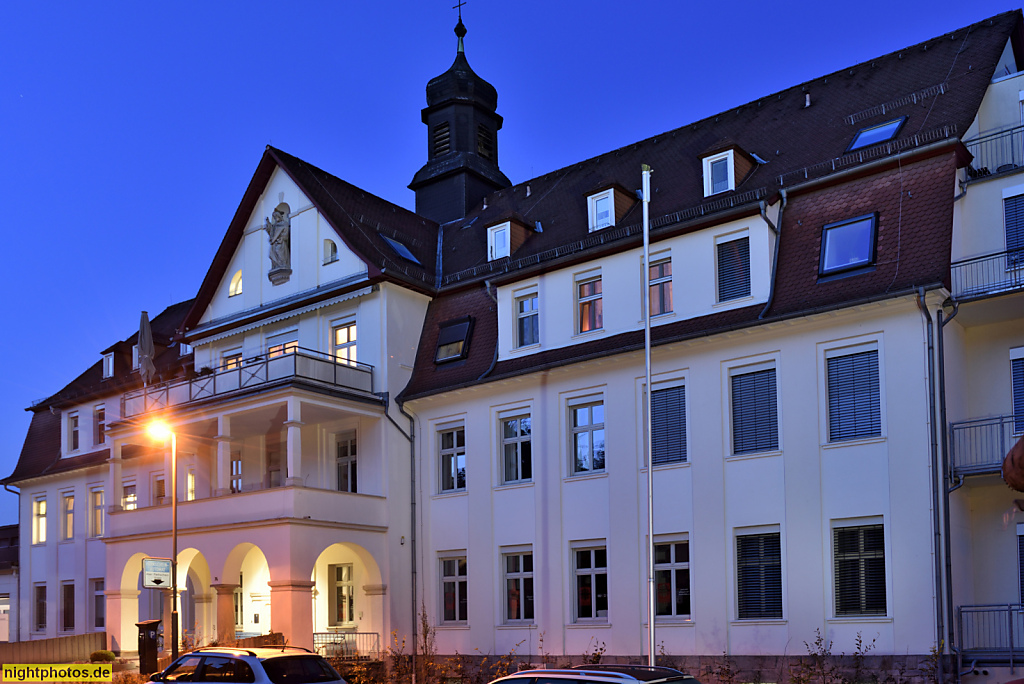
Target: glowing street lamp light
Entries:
(161, 431)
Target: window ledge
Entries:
(733, 302)
(510, 626)
(854, 620)
(667, 466)
(453, 628)
(754, 622)
(522, 484)
(526, 348)
(666, 621)
(586, 476)
(854, 442)
(754, 454)
(585, 624)
(590, 333)
(450, 495)
(66, 541)
(659, 318)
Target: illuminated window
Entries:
(282, 348)
(39, 520)
(343, 595)
(67, 516)
(589, 304)
(231, 360)
(190, 485)
(96, 512)
(343, 340)
(129, 497)
(236, 284)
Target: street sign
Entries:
(156, 573)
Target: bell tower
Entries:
(462, 142)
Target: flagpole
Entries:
(647, 414)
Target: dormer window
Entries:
(848, 245)
(108, 365)
(184, 349)
(601, 210)
(498, 241)
(873, 135)
(719, 173)
(453, 340)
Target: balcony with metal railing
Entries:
(252, 374)
(996, 153)
(991, 274)
(347, 645)
(978, 446)
(991, 633)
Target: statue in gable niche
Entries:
(279, 231)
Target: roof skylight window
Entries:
(873, 135)
(402, 250)
(848, 245)
(453, 340)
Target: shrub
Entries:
(101, 657)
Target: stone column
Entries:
(204, 618)
(122, 614)
(291, 611)
(225, 623)
(113, 501)
(294, 444)
(222, 482)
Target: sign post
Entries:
(156, 573)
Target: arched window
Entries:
(330, 251)
(236, 284)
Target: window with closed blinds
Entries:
(1013, 213)
(1020, 564)
(758, 576)
(755, 424)
(668, 425)
(734, 269)
(1017, 374)
(859, 557)
(854, 400)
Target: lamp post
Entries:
(161, 431)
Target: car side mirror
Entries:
(156, 677)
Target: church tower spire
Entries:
(462, 141)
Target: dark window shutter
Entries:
(668, 425)
(734, 269)
(854, 399)
(859, 558)
(755, 424)
(758, 576)
(1017, 374)
(1013, 211)
(1020, 565)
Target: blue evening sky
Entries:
(129, 130)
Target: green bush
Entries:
(101, 657)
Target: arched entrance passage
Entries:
(348, 595)
(195, 619)
(243, 594)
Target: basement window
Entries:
(848, 245)
(402, 250)
(873, 135)
(453, 340)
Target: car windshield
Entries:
(300, 670)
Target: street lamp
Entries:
(160, 430)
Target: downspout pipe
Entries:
(17, 584)
(775, 255)
(938, 481)
(411, 437)
(494, 361)
(946, 525)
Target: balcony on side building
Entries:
(991, 274)
(991, 634)
(996, 153)
(257, 373)
(977, 447)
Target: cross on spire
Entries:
(459, 7)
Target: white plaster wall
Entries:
(978, 217)
(694, 287)
(988, 367)
(799, 490)
(1001, 106)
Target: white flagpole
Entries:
(651, 588)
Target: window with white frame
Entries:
(854, 395)
(108, 365)
(39, 607)
(67, 516)
(158, 489)
(73, 433)
(136, 361)
(230, 360)
(99, 604)
(755, 420)
(587, 421)
(719, 174)
(190, 484)
(345, 455)
(239, 603)
(601, 210)
(858, 558)
(39, 520)
(452, 459)
(343, 342)
(236, 472)
(279, 345)
(330, 251)
(758, 576)
(668, 425)
(454, 590)
(672, 578)
(660, 286)
(518, 570)
(343, 595)
(67, 606)
(99, 423)
(184, 349)
(498, 244)
(97, 512)
(527, 320)
(129, 496)
(235, 288)
(1017, 388)
(589, 305)
(516, 453)
(590, 568)
(733, 260)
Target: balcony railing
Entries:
(251, 373)
(347, 645)
(996, 152)
(978, 446)
(992, 633)
(989, 274)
